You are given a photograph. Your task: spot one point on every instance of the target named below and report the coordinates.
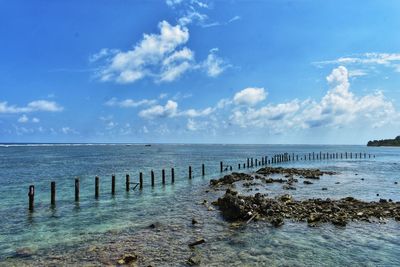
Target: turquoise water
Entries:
(99, 231)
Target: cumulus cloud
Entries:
(250, 96)
(214, 65)
(169, 110)
(161, 56)
(339, 107)
(128, 103)
(34, 106)
(23, 119)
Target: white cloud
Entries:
(35, 120)
(23, 119)
(68, 130)
(235, 18)
(364, 63)
(340, 106)
(169, 110)
(214, 65)
(128, 103)
(146, 57)
(250, 96)
(38, 105)
(161, 56)
(196, 113)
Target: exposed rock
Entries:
(194, 221)
(127, 259)
(307, 182)
(324, 189)
(194, 260)
(236, 207)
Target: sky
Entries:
(199, 71)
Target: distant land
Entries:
(385, 142)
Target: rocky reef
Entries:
(235, 207)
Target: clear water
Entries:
(100, 231)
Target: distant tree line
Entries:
(385, 142)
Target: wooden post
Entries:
(76, 189)
(221, 166)
(346, 154)
(369, 155)
(297, 157)
(262, 161)
(190, 172)
(127, 182)
(96, 187)
(230, 168)
(140, 180)
(351, 155)
(53, 193)
(248, 163)
(113, 184)
(365, 155)
(152, 178)
(31, 195)
(313, 156)
(252, 162)
(172, 175)
(163, 176)
(203, 170)
(238, 166)
(269, 162)
(256, 162)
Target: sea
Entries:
(155, 222)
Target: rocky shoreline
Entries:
(236, 207)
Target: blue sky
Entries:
(198, 71)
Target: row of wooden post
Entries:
(249, 164)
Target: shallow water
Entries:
(100, 231)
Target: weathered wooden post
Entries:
(345, 154)
(320, 155)
(203, 171)
(172, 175)
(77, 189)
(163, 176)
(256, 162)
(297, 157)
(152, 178)
(369, 155)
(365, 155)
(96, 187)
(252, 163)
(248, 163)
(238, 166)
(221, 166)
(53, 193)
(140, 180)
(31, 195)
(262, 161)
(113, 184)
(313, 156)
(190, 172)
(127, 182)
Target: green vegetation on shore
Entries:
(385, 142)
